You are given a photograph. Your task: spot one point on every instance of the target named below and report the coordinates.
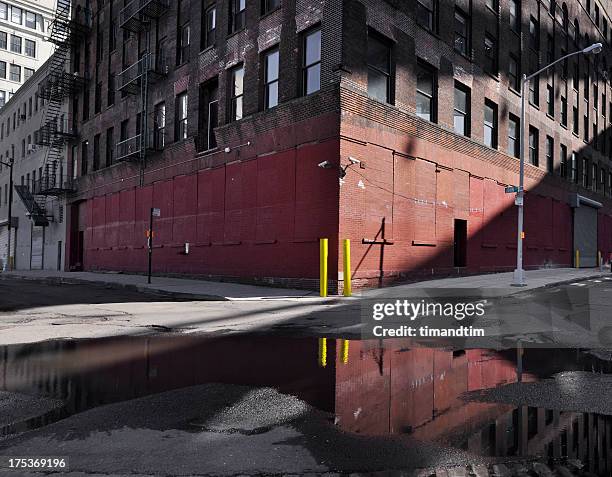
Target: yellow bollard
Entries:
(322, 352)
(348, 289)
(345, 351)
(577, 262)
(323, 250)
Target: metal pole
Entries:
(150, 244)
(519, 273)
(10, 213)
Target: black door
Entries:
(460, 243)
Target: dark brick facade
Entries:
(416, 178)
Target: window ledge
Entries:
(234, 33)
(550, 116)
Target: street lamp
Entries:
(519, 273)
(10, 209)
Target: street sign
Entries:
(156, 212)
(512, 189)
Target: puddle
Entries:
(370, 390)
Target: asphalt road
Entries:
(32, 311)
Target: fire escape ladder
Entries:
(36, 208)
(67, 30)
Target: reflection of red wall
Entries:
(250, 219)
(417, 387)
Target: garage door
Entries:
(3, 247)
(585, 234)
(38, 239)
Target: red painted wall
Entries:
(250, 219)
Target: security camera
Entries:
(325, 165)
(352, 160)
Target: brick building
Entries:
(223, 115)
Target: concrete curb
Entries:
(117, 286)
(186, 296)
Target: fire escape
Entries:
(56, 128)
(136, 17)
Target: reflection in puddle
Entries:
(371, 389)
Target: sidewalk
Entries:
(500, 284)
(198, 289)
(215, 291)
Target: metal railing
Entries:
(138, 9)
(128, 148)
(148, 63)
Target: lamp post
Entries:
(10, 209)
(519, 273)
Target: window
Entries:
(461, 114)
(2, 99)
(574, 168)
(550, 145)
(27, 73)
(110, 147)
(576, 75)
(30, 48)
(15, 44)
(112, 36)
(490, 124)
(426, 94)
(3, 40)
(492, 4)
(84, 157)
(575, 114)
(209, 27)
(311, 77)
(595, 97)
(563, 161)
(514, 136)
(181, 117)
(533, 146)
(16, 15)
(534, 84)
(597, 15)
(602, 180)
(427, 14)
(269, 5)
(15, 73)
(513, 73)
(271, 79)
(550, 99)
(585, 173)
(86, 103)
(379, 69)
(3, 11)
(237, 93)
(515, 12)
(490, 48)
(183, 47)
(3, 69)
(209, 107)
(461, 32)
(534, 33)
(98, 98)
(96, 153)
(159, 126)
(237, 15)
(110, 91)
(30, 20)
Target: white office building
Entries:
(24, 25)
